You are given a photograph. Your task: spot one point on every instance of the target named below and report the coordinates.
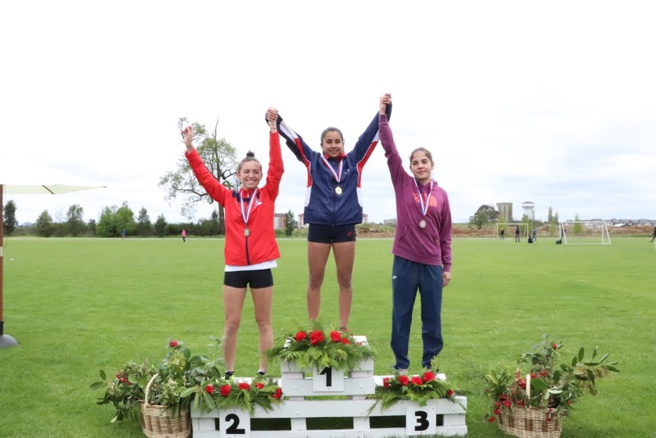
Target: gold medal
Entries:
(422, 224)
(338, 190)
(247, 232)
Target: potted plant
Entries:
(217, 392)
(159, 391)
(318, 349)
(532, 400)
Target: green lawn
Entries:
(78, 305)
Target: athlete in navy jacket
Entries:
(332, 205)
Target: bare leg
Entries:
(233, 302)
(317, 258)
(344, 253)
(263, 299)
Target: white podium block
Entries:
(234, 423)
(328, 380)
(420, 420)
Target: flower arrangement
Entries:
(542, 383)
(415, 388)
(220, 393)
(316, 348)
(173, 375)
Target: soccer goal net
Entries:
(584, 232)
(506, 230)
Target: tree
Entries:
(160, 226)
(44, 226)
(220, 159)
(144, 227)
(550, 215)
(106, 225)
(74, 221)
(124, 219)
(10, 217)
(289, 223)
(485, 214)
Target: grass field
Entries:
(78, 305)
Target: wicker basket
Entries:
(161, 422)
(528, 423)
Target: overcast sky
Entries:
(550, 102)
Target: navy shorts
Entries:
(331, 233)
(256, 279)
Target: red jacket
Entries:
(260, 245)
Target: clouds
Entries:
(518, 101)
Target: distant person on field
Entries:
(123, 233)
(184, 235)
(503, 234)
(250, 249)
(422, 248)
(653, 233)
(534, 234)
(517, 233)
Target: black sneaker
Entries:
(261, 373)
(229, 374)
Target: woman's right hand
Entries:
(188, 137)
(385, 100)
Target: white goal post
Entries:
(590, 232)
(509, 229)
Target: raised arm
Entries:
(276, 168)
(212, 186)
(294, 141)
(369, 138)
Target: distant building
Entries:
(505, 211)
(279, 221)
(389, 221)
(529, 209)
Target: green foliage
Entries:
(484, 215)
(10, 221)
(540, 381)
(44, 225)
(415, 388)
(220, 158)
(217, 392)
(289, 223)
(319, 349)
(74, 220)
(168, 383)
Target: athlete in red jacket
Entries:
(250, 245)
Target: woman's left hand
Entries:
(446, 278)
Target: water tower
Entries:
(529, 209)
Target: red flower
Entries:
(173, 343)
(490, 419)
(316, 337)
(277, 394)
(449, 393)
(554, 345)
(507, 403)
(244, 386)
(497, 412)
(345, 341)
(225, 390)
(386, 382)
(428, 376)
(335, 336)
(209, 389)
(403, 380)
(259, 385)
(416, 380)
(300, 336)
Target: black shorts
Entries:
(331, 233)
(256, 279)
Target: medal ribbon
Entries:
(338, 177)
(246, 214)
(423, 207)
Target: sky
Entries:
(548, 102)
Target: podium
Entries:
(333, 403)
